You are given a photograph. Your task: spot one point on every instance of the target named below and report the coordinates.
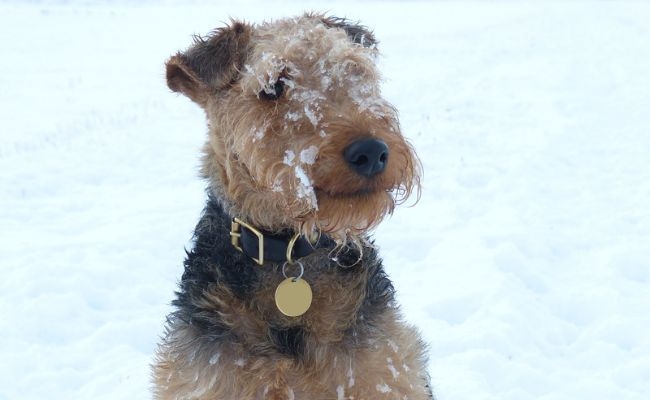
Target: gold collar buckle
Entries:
(235, 238)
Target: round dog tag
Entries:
(293, 297)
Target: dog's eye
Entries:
(272, 93)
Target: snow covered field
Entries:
(526, 264)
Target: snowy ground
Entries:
(526, 264)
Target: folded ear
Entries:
(357, 33)
(212, 63)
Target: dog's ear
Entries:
(357, 33)
(211, 64)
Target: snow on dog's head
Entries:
(299, 134)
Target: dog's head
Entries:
(299, 134)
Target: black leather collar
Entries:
(266, 247)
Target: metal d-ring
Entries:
(302, 269)
(290, 246)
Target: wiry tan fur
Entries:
(389, 365)
(248, 149)
(278, 165)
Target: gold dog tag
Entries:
(293, 297)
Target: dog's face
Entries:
(300, 136)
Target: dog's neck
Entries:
(213, 260)
(258, 244)
(264, 247)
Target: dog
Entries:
(283, 295)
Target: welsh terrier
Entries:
(283, 294)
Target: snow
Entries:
(289, 156)
(526, 263)
(350, 376)
(391, 368)
(340, 392)
(308, 155)
(304, 188)
(214, 359)
(383, 388)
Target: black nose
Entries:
(367, 157)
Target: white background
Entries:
(526, 263)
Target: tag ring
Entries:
(302, 270)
